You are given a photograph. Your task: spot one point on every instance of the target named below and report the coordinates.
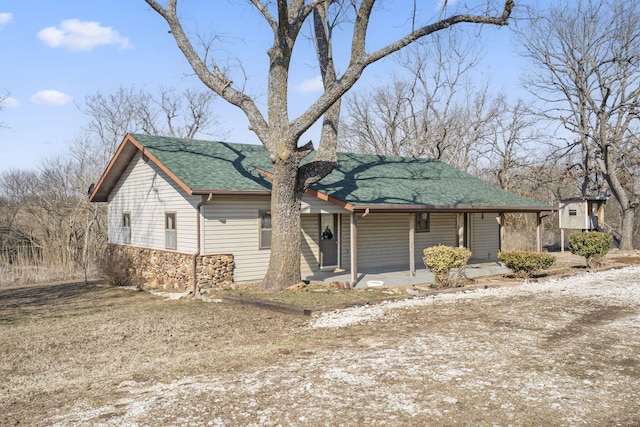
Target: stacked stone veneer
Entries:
(173, 271)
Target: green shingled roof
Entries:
(209, 165)
(360, 179)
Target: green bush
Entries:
(526, 263)
(592, 245)
(440, 259)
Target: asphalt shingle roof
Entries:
(359, 179)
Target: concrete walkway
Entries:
(400, 276)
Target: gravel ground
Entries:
(558, 352)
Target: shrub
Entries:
(441, 259)
(592, 245)
(526, 263)
(116, 267)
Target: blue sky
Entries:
(55, 53)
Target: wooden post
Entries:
(354, 248)
(460, 229)
(412, 244)
(539, 232)
(501, 233)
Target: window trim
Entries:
(420, 222)
(126, 228)
(262, 230)
(173, 230)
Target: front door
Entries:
(329, 240)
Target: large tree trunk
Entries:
(284, 262)
(626, 229)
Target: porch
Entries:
(400, 276)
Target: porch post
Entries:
(539, 232)
(460, 229)
(354, 248)
(502, 231)
(412, 244)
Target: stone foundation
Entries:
(173, 271)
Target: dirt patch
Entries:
(557, 352)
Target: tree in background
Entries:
(166, 113)
(47, 224)
(278, 133)
(433, 109)
(587, 71)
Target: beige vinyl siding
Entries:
(383, 240)
(484, 234)
(310, 249)
(147, 193)
(442, 230)
(232, 227)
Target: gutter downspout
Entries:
(194, 258)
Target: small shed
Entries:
(581, 213)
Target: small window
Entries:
(265, 229)
(422, 222)
(170, 230)
(573, 212)
(126, 228)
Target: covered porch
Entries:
(384, 246)
(401, 276)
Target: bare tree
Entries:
(136, 110)
(276, 131)
(587, 58)
(512, 148)
(433, 110)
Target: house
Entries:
(198, 212)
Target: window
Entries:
(170, 230)
(422, 222)
(265, 229)
(126, 228)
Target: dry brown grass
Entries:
(65, 346)
(67, 341)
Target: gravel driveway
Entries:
(559, 352)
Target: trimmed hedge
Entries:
(592, 245)
(440, 259)
(526, 263)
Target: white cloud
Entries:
(77, 35)
(311, 85)
(5, 18)
(51, 97)
(10, 102)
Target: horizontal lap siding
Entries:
(310, 249)
(232, 227)
(147, 193)
(442, 230)
(383, 240)
(485, 237)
